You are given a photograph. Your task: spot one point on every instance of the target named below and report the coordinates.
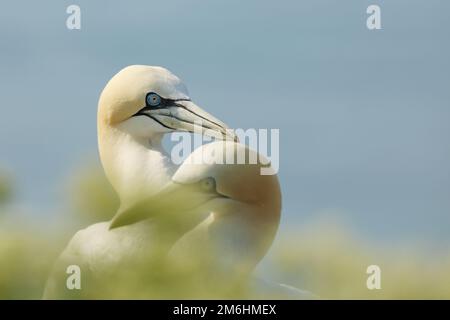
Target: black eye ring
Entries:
(208, 184)
(153, 99)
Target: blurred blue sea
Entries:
(363, 115)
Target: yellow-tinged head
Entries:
(146, 100)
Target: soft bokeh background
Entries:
(363, 117)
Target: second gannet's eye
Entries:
(208, 184)
(153, 100)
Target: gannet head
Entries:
(145, 101)
(136, 108)
(238, 195)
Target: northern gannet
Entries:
(136, 108)
(245, 209)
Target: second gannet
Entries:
(245, 211)
(245, 206)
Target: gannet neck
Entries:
(240, 237)
(229, 245)
(136, 167)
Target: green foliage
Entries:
(326, 260)
(91, 196)
(331, 261)
(6, 188)
(322, 257)
(25, 260)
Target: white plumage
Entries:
(223, 216)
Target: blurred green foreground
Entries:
(322, 256)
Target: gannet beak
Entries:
(184, 115)
(173, 199)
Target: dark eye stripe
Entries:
(153, 99)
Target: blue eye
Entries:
(153, 100)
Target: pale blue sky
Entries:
(364, 116)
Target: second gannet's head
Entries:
(145, 101)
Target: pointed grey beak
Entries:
(184, 115)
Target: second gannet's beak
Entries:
(174, 199)
(184, 115)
